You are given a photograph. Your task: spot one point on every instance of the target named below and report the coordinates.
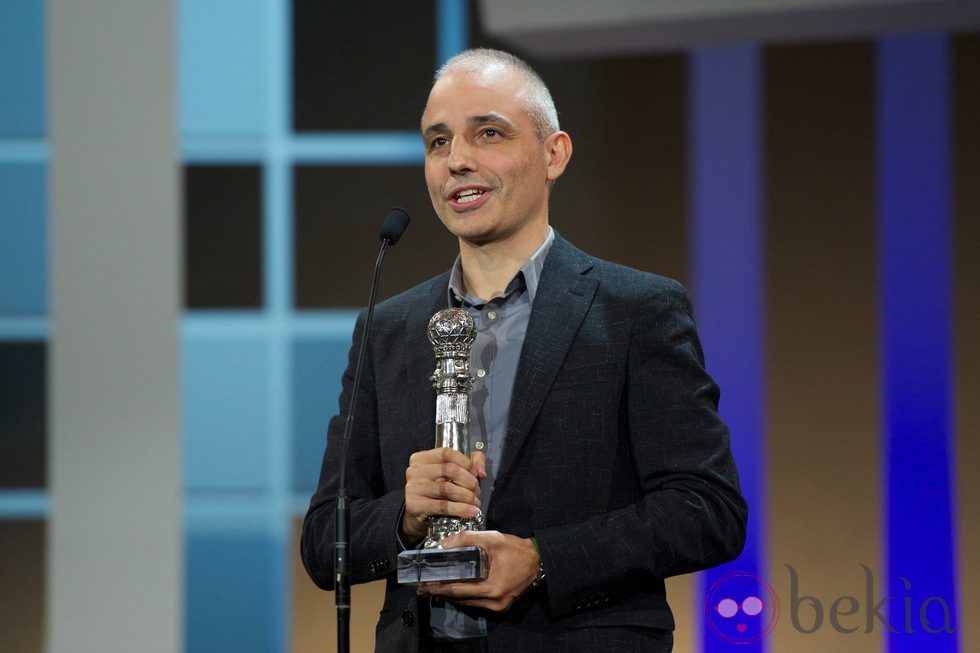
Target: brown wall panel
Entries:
(822, 371)
(680, 596)
(623, 196)
(966, 361)
(222, 236)
(314, 626)
(361, 65)
(21, 586)
(23, 415)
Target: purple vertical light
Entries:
(915, 294)
(725, 144)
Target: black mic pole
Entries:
(392, 229)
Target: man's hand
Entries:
(440, 482)
(513, 562)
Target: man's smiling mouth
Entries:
(468, 195)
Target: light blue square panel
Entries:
(233, 583)
(224, 67)
(23, 239)
(226, 395)
(317, 367)
(22, 68)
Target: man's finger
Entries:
(442, 472)
(479, 459)
(422, 507)
(441, 490)
(440, 455)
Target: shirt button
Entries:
(492, 315)
(481, 373)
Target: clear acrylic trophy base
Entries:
(434, 565)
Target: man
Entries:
(607, 467)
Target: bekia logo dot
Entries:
(741, 608)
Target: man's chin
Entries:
(474, 237)
(465, 228)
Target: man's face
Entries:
(485, 168)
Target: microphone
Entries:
(392, 228)
(395, 224)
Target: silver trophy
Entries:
(451, 332)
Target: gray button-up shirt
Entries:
(501, 324)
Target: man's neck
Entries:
(488, 268)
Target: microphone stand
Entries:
(391, 230)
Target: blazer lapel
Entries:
(564, 294)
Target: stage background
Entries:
(819, 196)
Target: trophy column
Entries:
(451, 332)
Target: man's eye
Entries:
(438, 142)
(490, 132)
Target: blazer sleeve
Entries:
(690, 514)
(374, 511)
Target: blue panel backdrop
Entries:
(915, 289)
(224, 77)
(22, 68)
(317, 366)
(234, 601)
(225, 389)
(726, 242)
(23, 239)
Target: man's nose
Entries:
(461, 159)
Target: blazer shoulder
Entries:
(616, 277)
(631, 284)
(422, 295)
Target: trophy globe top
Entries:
(452, 332)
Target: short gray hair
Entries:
(538, 104)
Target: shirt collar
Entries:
(530, 272)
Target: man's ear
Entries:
(558, 147)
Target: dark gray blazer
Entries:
(615, 459)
